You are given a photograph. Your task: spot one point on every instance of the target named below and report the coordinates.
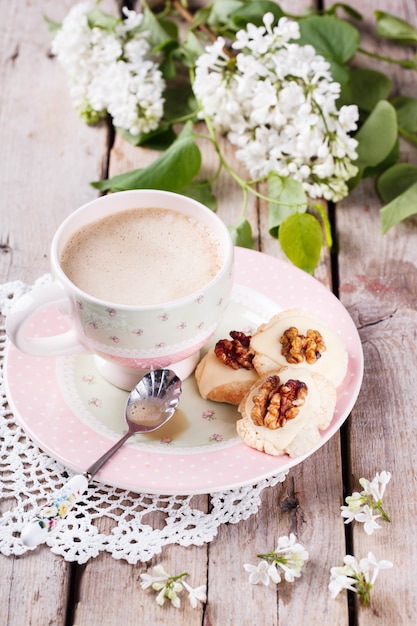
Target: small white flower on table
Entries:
(288, 558)
(367, 506)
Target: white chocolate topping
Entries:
(217, 374)
(266, 343)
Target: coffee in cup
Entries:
(142, 257)
(144, 276)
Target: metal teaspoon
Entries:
(149, 406)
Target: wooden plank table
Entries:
(48, 158)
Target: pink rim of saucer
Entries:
(189, 471)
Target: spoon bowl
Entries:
(149, 406)
(153, 401)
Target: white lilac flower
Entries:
(354, 506)
(367, 517)
(284, 117)
(168, 591)
(376, 487)
(195, 595)
(356, 576)
(170, 587)
(288, 558)
(258, 573)
(110, 72)
(131, 21)
(339, 580)
(367, 506)
(274, 573)
(158, 575)
(293, 556)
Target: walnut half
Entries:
(235, 353)
(297, 348)
(276, 403)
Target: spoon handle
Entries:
(36, 531)
(97, 465)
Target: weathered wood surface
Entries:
(48, 159)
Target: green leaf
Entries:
(53, 27)
(167, 65)
(200, 190)
(159, 139)
(377, 136)
(96, 18)
(340, 73)
(253, 12)
(221, 11)
(170, 27)
(394, 181)
(301, 240)
(399, 209)
(287, 196)
(335, 39)
(406, 108)
(241, 234)
(180, 103)
(190, 50)
(392, 158)
(396, 29)
(346, 8)
(201, 16)
(326, 223)
(172, 171)
(365, 88)
(158, 32)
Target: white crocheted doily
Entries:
(28, 476)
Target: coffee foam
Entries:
(142, 257)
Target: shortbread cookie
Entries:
(299, 339)
(216, 381)
(283, 414)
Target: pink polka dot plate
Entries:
(74, 415)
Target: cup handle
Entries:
(39, 298)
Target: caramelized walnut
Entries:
(275, 403)
(235, 353)
(297, 348)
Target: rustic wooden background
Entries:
(48, 158)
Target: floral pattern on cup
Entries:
(119, 329)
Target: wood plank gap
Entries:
(345, 452)
(346, 459)
(111, 137)
(129, 4)
(258, 241)
(76, 572)
(205, 618)
(334, 257)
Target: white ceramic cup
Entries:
(127, 340)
